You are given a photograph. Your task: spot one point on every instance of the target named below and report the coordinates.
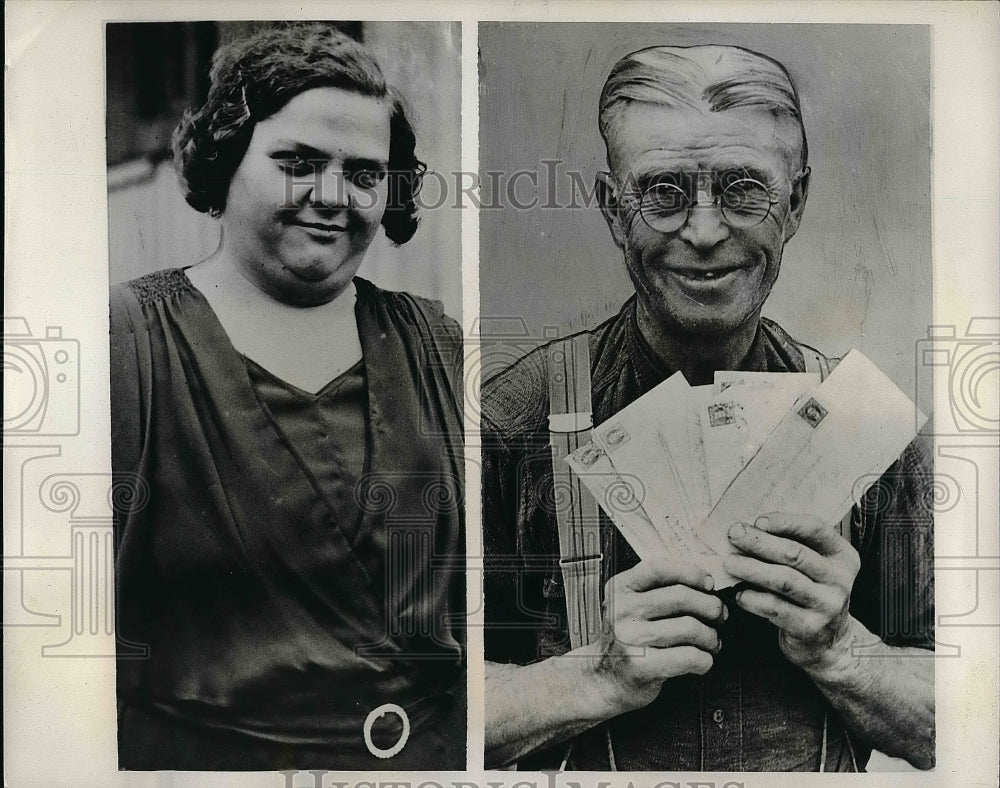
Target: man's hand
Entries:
(659, 623)
(803, 571)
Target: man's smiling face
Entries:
(707, 277)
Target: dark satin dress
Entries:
(282, 583)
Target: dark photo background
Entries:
(157, 69)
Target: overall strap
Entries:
(570, 422)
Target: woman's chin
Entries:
(310, 284)
(297, 290)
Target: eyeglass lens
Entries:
(744, 202)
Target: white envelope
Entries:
(736, 421)
(851, 427)
(638, 441)
(621, 499)
(679, 466)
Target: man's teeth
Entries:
(691, 273)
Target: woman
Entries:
(296, 567)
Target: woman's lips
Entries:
(320, 231)
(322, 227)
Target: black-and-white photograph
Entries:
(707, 483)
(286, 396)
(501, 394)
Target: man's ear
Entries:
(797, 201)
(607, 198)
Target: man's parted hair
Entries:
(254, 77)
(711, 77)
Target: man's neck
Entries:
(697, 356)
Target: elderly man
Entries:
(822, 652)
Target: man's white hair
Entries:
(711, 77)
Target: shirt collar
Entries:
(650, 370)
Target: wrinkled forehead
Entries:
(642, 135)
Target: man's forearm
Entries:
(884, 693)
(529, 707)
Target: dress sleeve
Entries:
(456, 344)
(894, 592)
(442, 341)
(126, 410)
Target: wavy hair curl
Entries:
(254, 77)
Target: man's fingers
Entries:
(781, 580)
(679, 661)
(674, 600)
(653, 573)
(810, 531)
(780, 612)
(667, 633)
(779, 550)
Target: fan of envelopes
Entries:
(680, 465)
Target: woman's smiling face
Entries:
(308, 197)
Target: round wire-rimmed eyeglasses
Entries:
(743, 201)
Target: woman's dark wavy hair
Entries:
(254, 77)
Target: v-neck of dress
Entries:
(413, 425)
(328, 389)
(224, 342)
(243, 396)
(327, 432)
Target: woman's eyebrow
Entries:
(298, 148)
(311, 153)
(366, 163)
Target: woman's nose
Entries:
(331, 189)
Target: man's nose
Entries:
(704, 227)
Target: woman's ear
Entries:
(607, 197)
